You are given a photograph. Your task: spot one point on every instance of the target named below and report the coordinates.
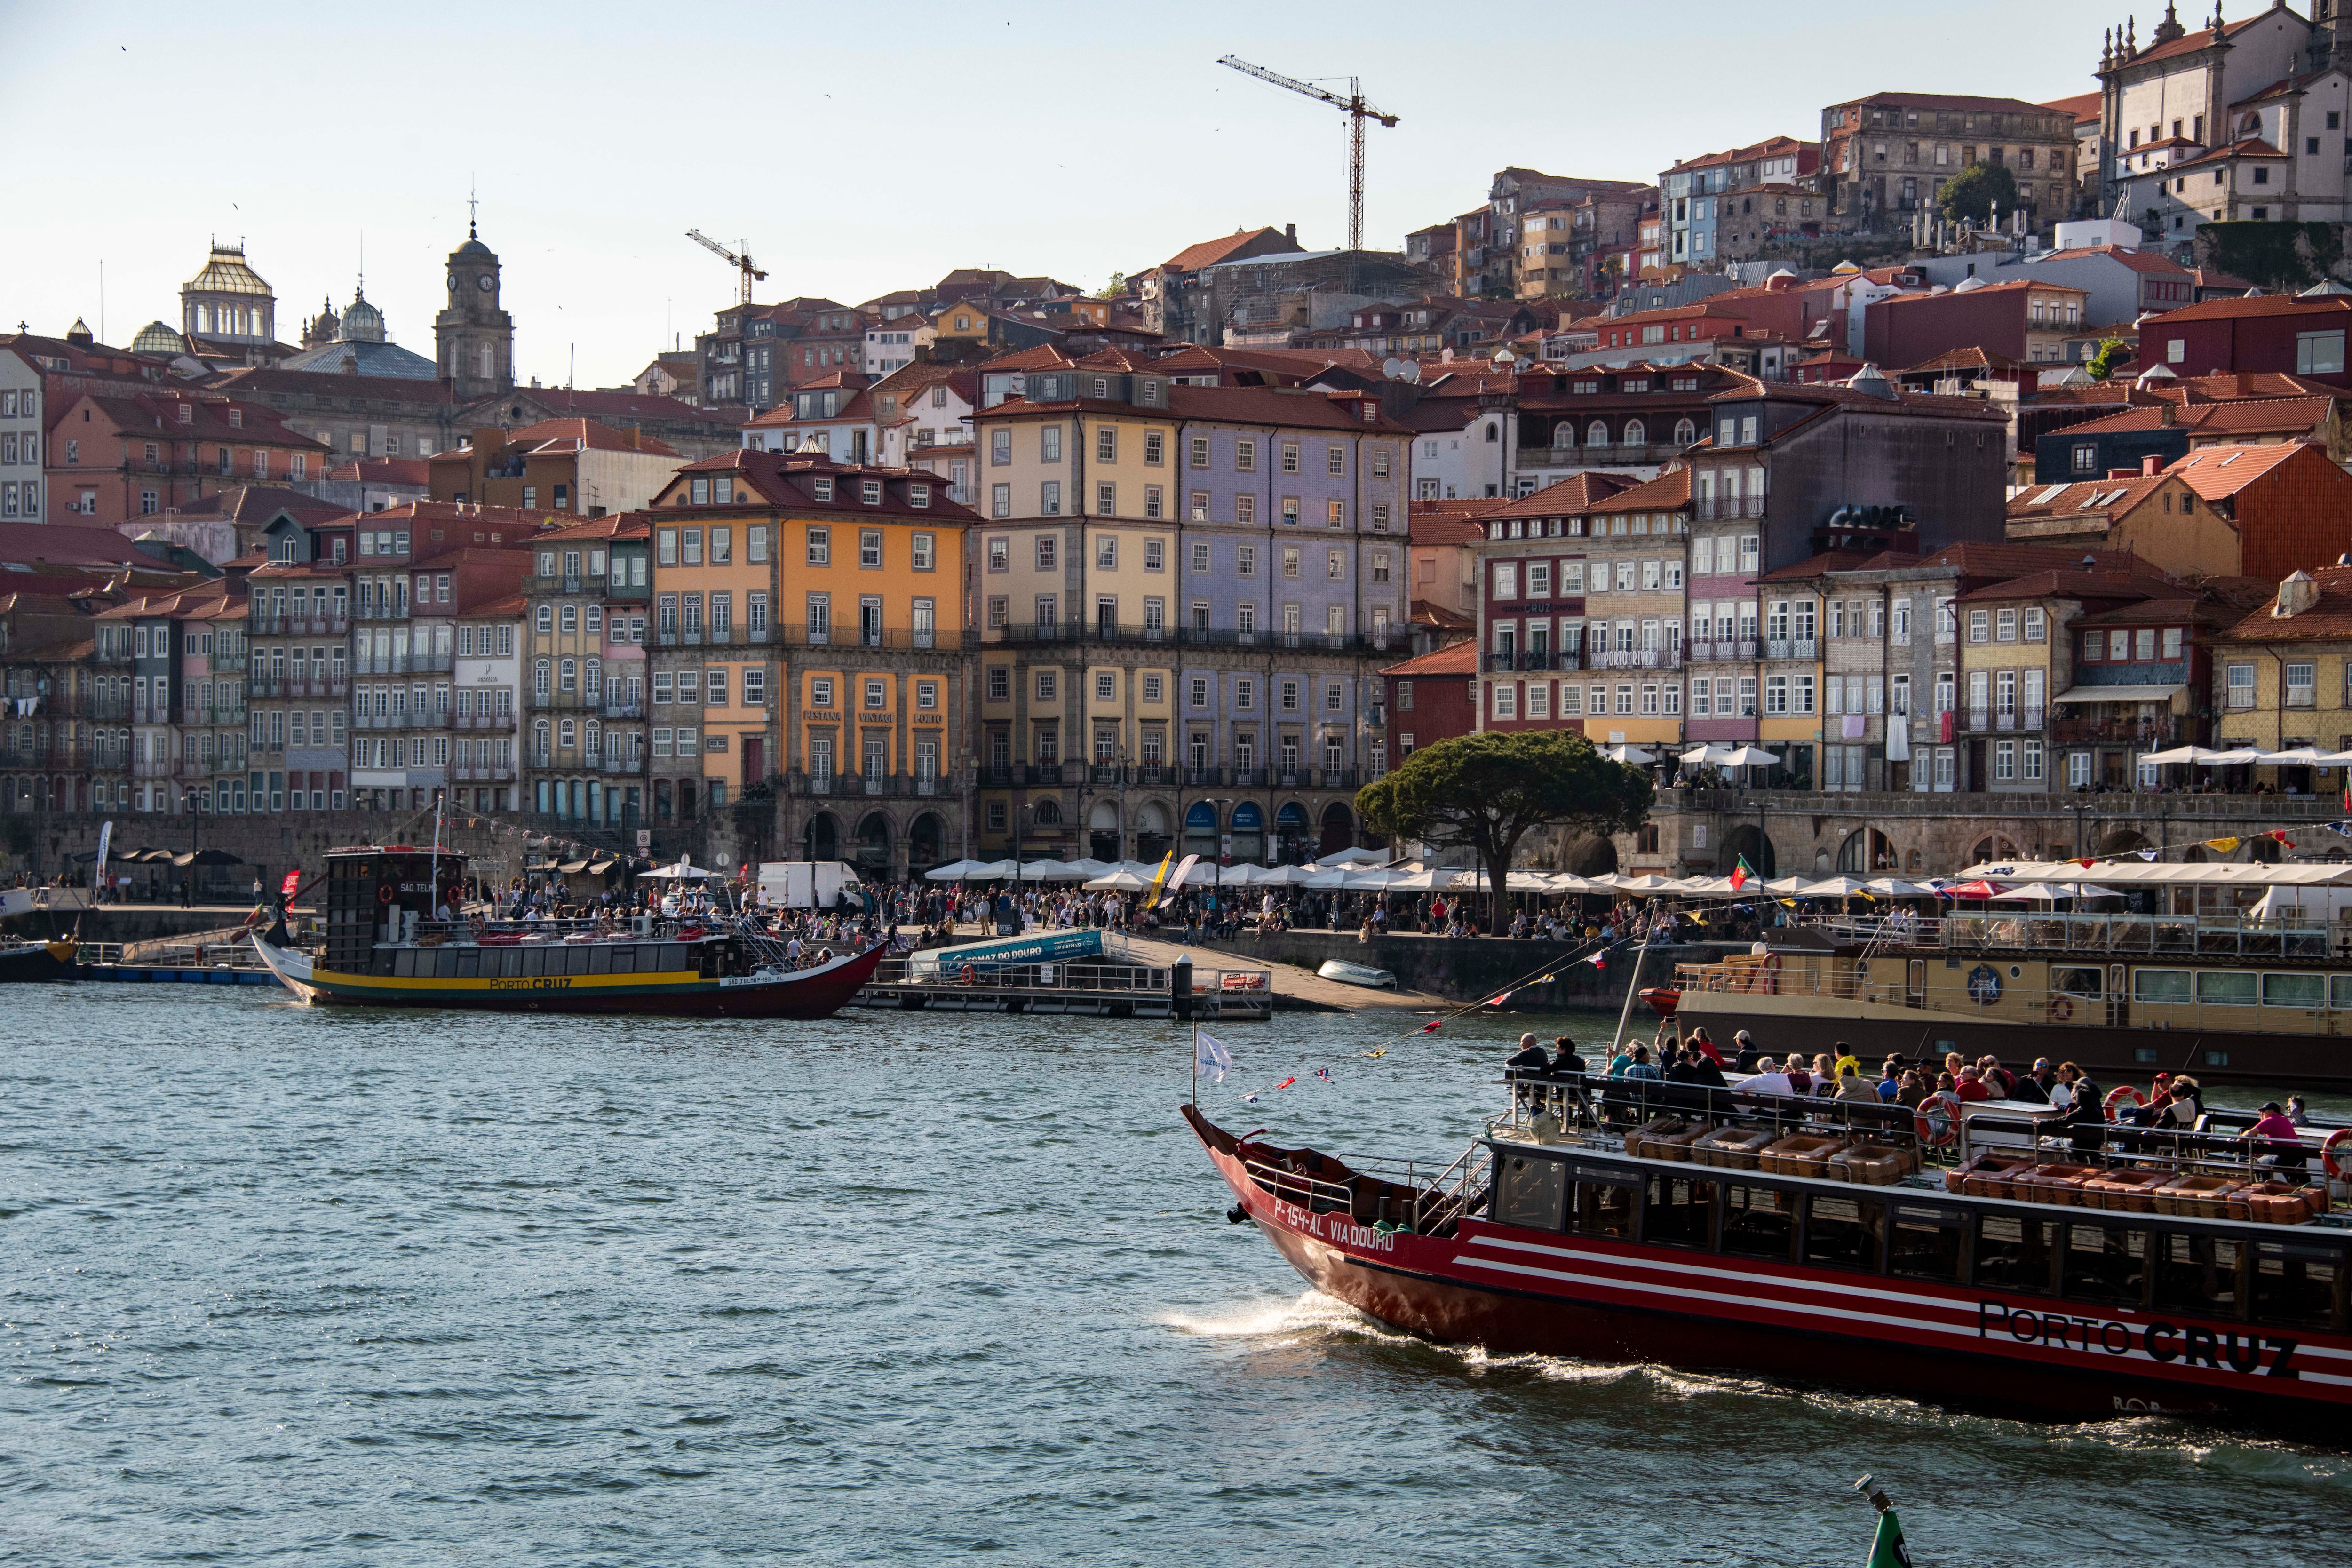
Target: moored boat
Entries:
(1357, 974)
(1984, 1257)
(383, 948)
(30, 963)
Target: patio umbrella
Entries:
(1835, 887)
(1787, 886)
(2049, 892)
(1356, 857)
(1971, 890)
(2230, 759)
(1633, 754)
(1050, 871)
(1241, 876)
(2180, 754)
(1092, 866)
(1896, 887)
(684, 871)
(1711, 887)
(1289, 876)
(1120, 881)
(1750, 757)
(205, 858)
(2300, 757)
(1707, 754)
(954, 871)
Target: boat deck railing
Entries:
(2218, 936)
(239, 954)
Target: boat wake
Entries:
(1312, 1316)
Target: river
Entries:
(365, 1289)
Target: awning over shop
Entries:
(2083, 694)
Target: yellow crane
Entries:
(742, 262)
(1357, 111)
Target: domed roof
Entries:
(79, 332)
(226, 272)
(362, 322)
(474, 246)
(157, 338)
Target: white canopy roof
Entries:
(1288, 877)
(2083, 694)
(684, 871)
(2180, 754)
(1750, 757)
(1834, 887)
(1120, 881)
(2146, 873)
(1633, 754)
(1356, 857)
(1896, 887)
(2045, 893)
(955, 870)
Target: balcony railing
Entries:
(868, 784)
(487, 774)
(1719, 652)
(2071, 727)
(621, 708)
(1717, 508)
(331, 625)
(1066, 632)
(400, 664)
(1540, 659)
(505, 722)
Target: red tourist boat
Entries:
(1985, 1256)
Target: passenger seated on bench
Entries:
(1696, 1068)
(1641, 1067)
(1566, 1059)
(1530, 1054)
(1852, 1085)
(2284, 1146)
(1768, 1078)
(1970, 1085)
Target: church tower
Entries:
(473, 338)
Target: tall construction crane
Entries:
(1357, 111)
(743, 263)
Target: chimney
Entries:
(2123, 473)
(1290, 232)
(2295, 596)
(2150, 466)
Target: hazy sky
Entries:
(859, 149)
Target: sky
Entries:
(1071, 140)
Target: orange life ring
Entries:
(970, 974)
(2116, 1093)
(2061, 1009)
(1923, 1122)
(1769, 973)
(384, 893)
(2327, 1153)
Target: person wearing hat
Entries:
(2285, 1143)
(1744, 1052)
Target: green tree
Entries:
(1114, 289)
(1971, 194)
(2112, 352)
(1487, 792)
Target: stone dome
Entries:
(362, 322)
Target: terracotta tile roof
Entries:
(1961, 102)
(2248, 147)
(1577, 494)
(2072, 582)
(1429, 613)
(1772, 147)
(1831, 561)
(256, 504)
(2138, 260)
(2247, 416)
(1665, 492)
(1963, 359)
(1828, 394)
(786, 479)
(2330, 618)
(2253, 305)
(2008, 287)
(2216, 473)
(553, 435)
(2082, 106)
(69, 544)
(332, 384)
(210, 418)
(2103, 499)
(1209, 252)
(1454, 658)
(2190, 43)
(1988, 558)
(385, 471)
(2158, 611)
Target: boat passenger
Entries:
(1845, 1061)
(1890, 1079)
(1564, 1058)
(2295, 1112)
(1969, 1085)
(1911, 1090)
(1767, 1079)
(1853, 1086)
(1705, 1046)
(1799, 1081)
(1682, 1066)
(1704, 1071)
(1996, 1078)
(1642, 1067)
(2187, 1107)
(2036, 1085)
(2284, 1146)
(1743, 1052)
(1530, 1054)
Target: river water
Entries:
(390, 1289)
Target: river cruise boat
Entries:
(1985, 1256)
(383, 948)
(2232, 973)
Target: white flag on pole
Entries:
(1210, 1056)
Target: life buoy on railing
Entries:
(2060, 1009)
(1767, 974)
(970, 974)
(384, 893)
(2118, 1093)
(1944, 1105)
(2327, 1153)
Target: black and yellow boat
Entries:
(31, 962)
(385, 948)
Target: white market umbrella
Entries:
(1093, 867)
(1750, 757)
(1633, 754)
(1120, 881)
(1786, 887)
(1356, 857)
(2230, 759)
(2049, 892)
(2300, 757)
(954, 871)
(1288, 877)
(1896, 887)
(1707, 754)
(1713, 887)
(1650, 886)
(989, 870)
(1051, 871)
(684, 871)
(1607, 882)
(1834, 887)
(1375, 879)
(2180, 754)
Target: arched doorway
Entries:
(924, 840)
(873, 856)
(1865, 853)
(1747, 842)
(1249, 832)
(1290, 835)
(1102, 831)
(1339, 829)
(1993, 846)
(1201, 830)
(824, 836)
(2125, 840)
(1589, 855)
(1151, 835)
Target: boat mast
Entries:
(433, 909)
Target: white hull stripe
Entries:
(1800, 1308)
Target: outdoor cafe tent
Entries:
(2048, 892)
(1288, 877)
(2230, 759)
(684, 871)
(1896, 887)
(953, 871)
(1051, 871)
(1786, 887)
(2299, 757)
(1711, 753)
(2180, 754)
(1633, 754)
(1834, 887)
(1120, 881)
(1652, 886)
(1356, 857)
(2131, 873)
(1750, 757)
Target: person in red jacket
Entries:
(1971, 1085)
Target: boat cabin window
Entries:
(1603, 1207)
(405, 962)
(2076, 981)
(2198, 1275)
(1841, 1232)
(1530, 1191)
(2307, 991)
(2016, 1254)
(673, 957)
(1924, 1243)
(2226, 987)
(1759, 1222)
(2339, 990)
(1680, 1211)
(2105, 1265)
(624, 960)
(2160, 986)
(2298, 1285)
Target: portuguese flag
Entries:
(1741, 875)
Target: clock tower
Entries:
(472, 338)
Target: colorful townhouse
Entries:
(1186, 595)
(586, 610)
